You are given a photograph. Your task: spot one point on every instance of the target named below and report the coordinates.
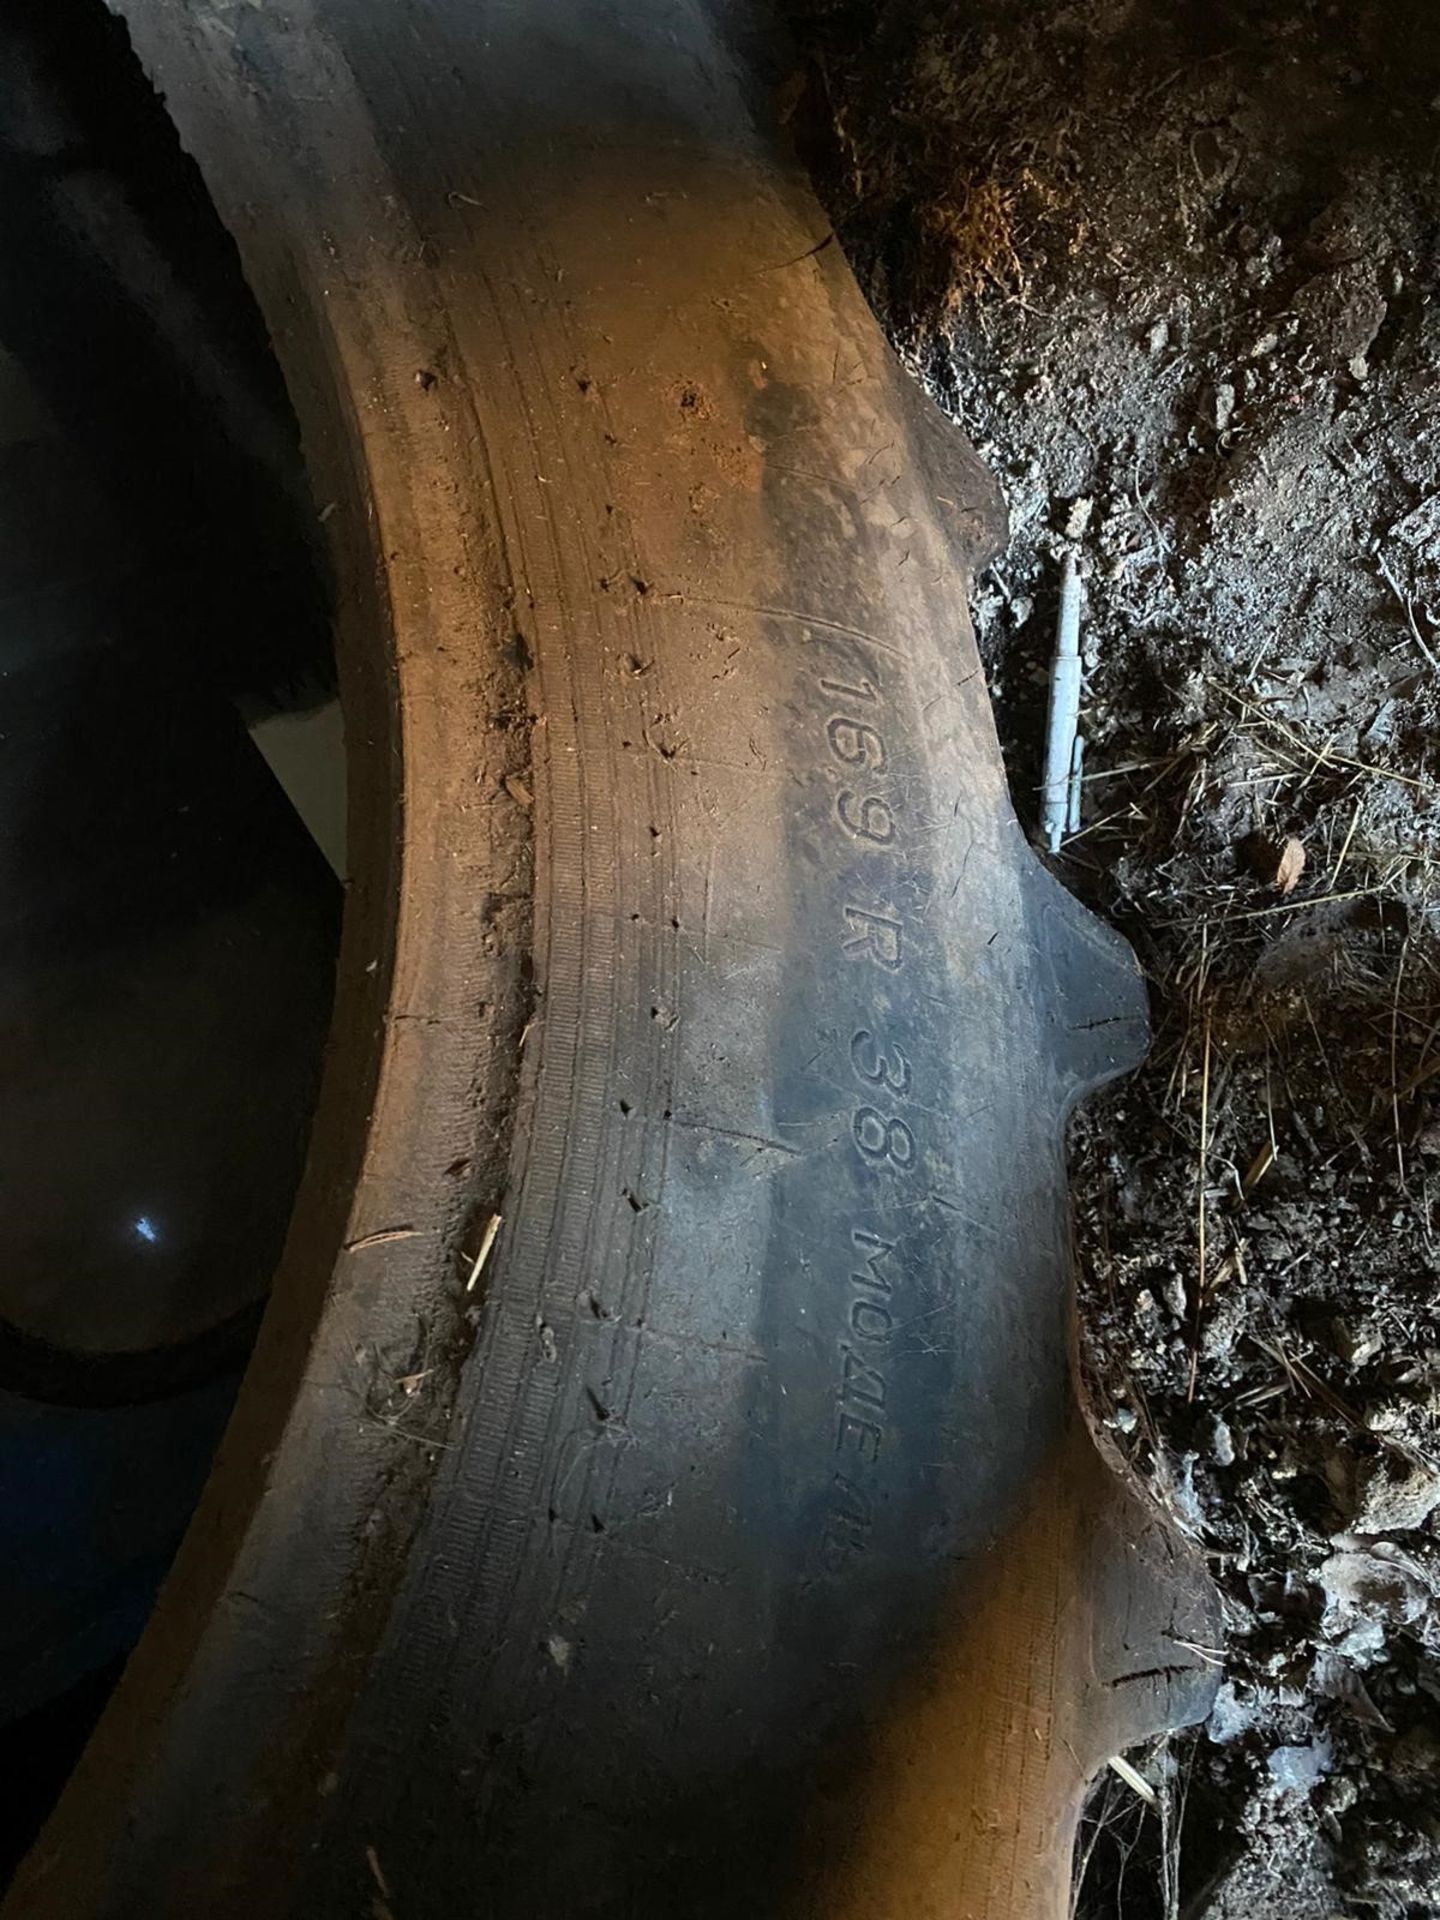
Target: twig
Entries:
(1264, 719)
(1354, 822)
(1170, 1826)
(1394, 1071)
(1201, 1214)
(1394, 585)
(487, 1241)
(1298, 906)
(1133, 1779)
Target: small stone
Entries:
(1354, 1341)
(1224, 405)
(1298, 1769)
(1222, 1323)
(1341, 1793)
(1365, 1594)
(1230, 1717)
(1078, 518)
(1176, 1482)
(1364, 1644)
(1335, 1679)
(1159, 336)
(1222, 1444)
(1173, 1294)
(1391, 1503)
(1124, 1420)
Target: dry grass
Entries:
(974, 231)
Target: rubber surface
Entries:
(728, 1539)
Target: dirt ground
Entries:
(1173, 266)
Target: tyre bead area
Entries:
(755, 1553)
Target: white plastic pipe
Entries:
(1077, 775)
(1064, 715)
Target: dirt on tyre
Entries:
(658, 1487)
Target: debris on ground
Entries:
(1174, 268)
